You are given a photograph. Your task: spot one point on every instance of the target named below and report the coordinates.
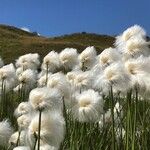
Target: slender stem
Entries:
(135, 119)
(35, 136)
(112, 116)
(128, 119)
(18, 140)
(46, 73)
(39, 129)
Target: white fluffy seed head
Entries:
(88, 106)
(69, 58)
(83, 80)
(52, 128)
(48, 147)
(14, 137)
(5, 132)
(140, 65)
(43, 79)
(88, 57)
(28, 77)
(109, 56)
(22, 148)
(42, 98)
(23, 108)
(132, 32)
(7, 72)
(135, 30)
(58, 81)
(51, 62)
(24, 121)
(136, 47)
(116, 75)
(28, 61)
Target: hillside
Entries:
(15, 42)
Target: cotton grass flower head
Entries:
(23, 108)
(71, 76)
(88, 106)
(114, 75)
(132, 32)
(7, 72)
(45, 98)
(59, 81)
(28, 61)
(7, 77)
(14, 138)
(24, 121)
(48, 147)
(19, 71)
(27, 80)
(28, 77)
(43, 79)
(69, 58)
(139, 70)
(83, 80)
(117, 77)
(88, 57)
(52, 128)
(135, 47)
(22, 148)
(108, 56)
(5, 132)
(51, 62)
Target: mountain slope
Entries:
(15, 42)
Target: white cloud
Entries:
(25, 29)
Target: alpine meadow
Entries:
(74, 92)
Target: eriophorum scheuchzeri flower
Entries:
(83, 80)
(5, 132)
(69, 58)
(45, 98)
(22, 148)
(88, 58)
(51, 62)
(23, 108)
(132, 32)
(135, 47)
(88, 106)
(7, 77)
(27, 80)
(28, 61)
(108, 56)
(139, 70)
(14, 139)
(114, 75)
(59, 82)
(52, 128)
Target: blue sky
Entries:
(58, 17)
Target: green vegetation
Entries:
(15, 42)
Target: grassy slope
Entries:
(15, 42)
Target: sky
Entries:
(59, 17)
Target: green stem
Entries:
(39, 129)
(112, 116)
